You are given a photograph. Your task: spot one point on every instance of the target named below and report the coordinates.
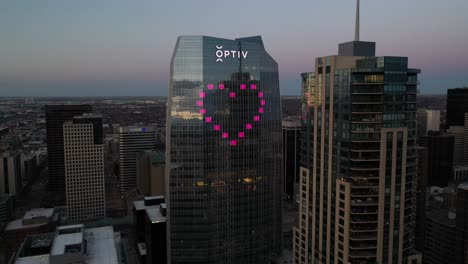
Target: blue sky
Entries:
(99, 48)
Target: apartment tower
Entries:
(359, 166)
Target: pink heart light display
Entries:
(232, 139)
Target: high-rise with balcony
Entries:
(84, 168)
(359, 160)
(223, 152)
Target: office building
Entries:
(56, 115)
(84, 168)
(150, 223)
(72, 244)
(291, 152)
(428, 120)
(357, 176)
(223, 152)
(447, 229)
(458, 133)
(151, 171)
(457, 106)
(440, 151)
(10, 173)
(132, 140)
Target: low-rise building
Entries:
(72, 244)
(35, 221)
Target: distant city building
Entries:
(151, 171)
(447, 229)
(359, 169)
(84, 168)
(291, 154)
(10, 173)
(56, 115)
(72, 244)
(150, 223)
(223, 152)
(440, 151)
(132, 140)
(428, 120)
(457, 106)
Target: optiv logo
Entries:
(220, 54)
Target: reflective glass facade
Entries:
(223, 152)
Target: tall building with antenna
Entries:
(359, 164)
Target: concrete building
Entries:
(440, 151)
(151, 171)
(10, 173)
(150, 218)
(359, 169)
(56, 115)
(70, 245)
(428, 120)
(291, 154)
(132, 140)
(84, 168)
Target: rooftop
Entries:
(101, 247)
(18, 224)
(39, 212)
(40, 259)
(154, 215)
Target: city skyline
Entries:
(97, 49)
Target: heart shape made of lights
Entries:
(249, 125)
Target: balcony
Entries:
(366, 202)
(366, 168)
(363, 233)
(365, 192)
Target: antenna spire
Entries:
(356, 33)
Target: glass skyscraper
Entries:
(223, 152)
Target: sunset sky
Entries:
(113, 48)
